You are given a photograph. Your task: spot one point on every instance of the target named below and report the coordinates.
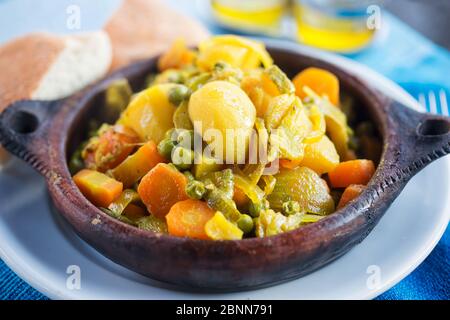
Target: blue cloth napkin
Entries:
(14, 288)
(402, 55)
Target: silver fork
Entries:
(433, 100)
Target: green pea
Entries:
(195, 190)
(170, 134)
(245, 223)
(165, 148)
(177, 94)
(291, 207)
(182, 158)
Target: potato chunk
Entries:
(321, 156)
(150, 113)
(225, 107)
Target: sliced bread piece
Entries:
(143, 28)
(45, 67)
(41, 66)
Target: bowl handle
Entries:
(421, 137)
(24, 128)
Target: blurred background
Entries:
(318, 21)
(430, 17)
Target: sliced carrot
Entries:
(320, 81)
(100, 189)
(352, 172)
(138, 164)
(161, 188)
(176, 57)
(188, 219)
(239, 197)
(350, 193)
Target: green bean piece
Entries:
(198, 81)
(181, 117)
(268, 184)
(255, 208)
(253, 172)
(280, 79)
(195, 189)
(152, 223)
(182, 158)
(119, 217)
(189, 176)
(223, 180)
(291, 207)
(253, 192)
(218, 201)
(178, 94)
(245, 223)
(205, 165)
(165, 148)
(126, 197)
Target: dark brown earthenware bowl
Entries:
(45, 133)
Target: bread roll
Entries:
(143, 28)
(41, 66)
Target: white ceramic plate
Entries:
(39, 246)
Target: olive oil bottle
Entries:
(250, 15)
(337, 25)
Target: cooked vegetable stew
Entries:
(222, 145)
